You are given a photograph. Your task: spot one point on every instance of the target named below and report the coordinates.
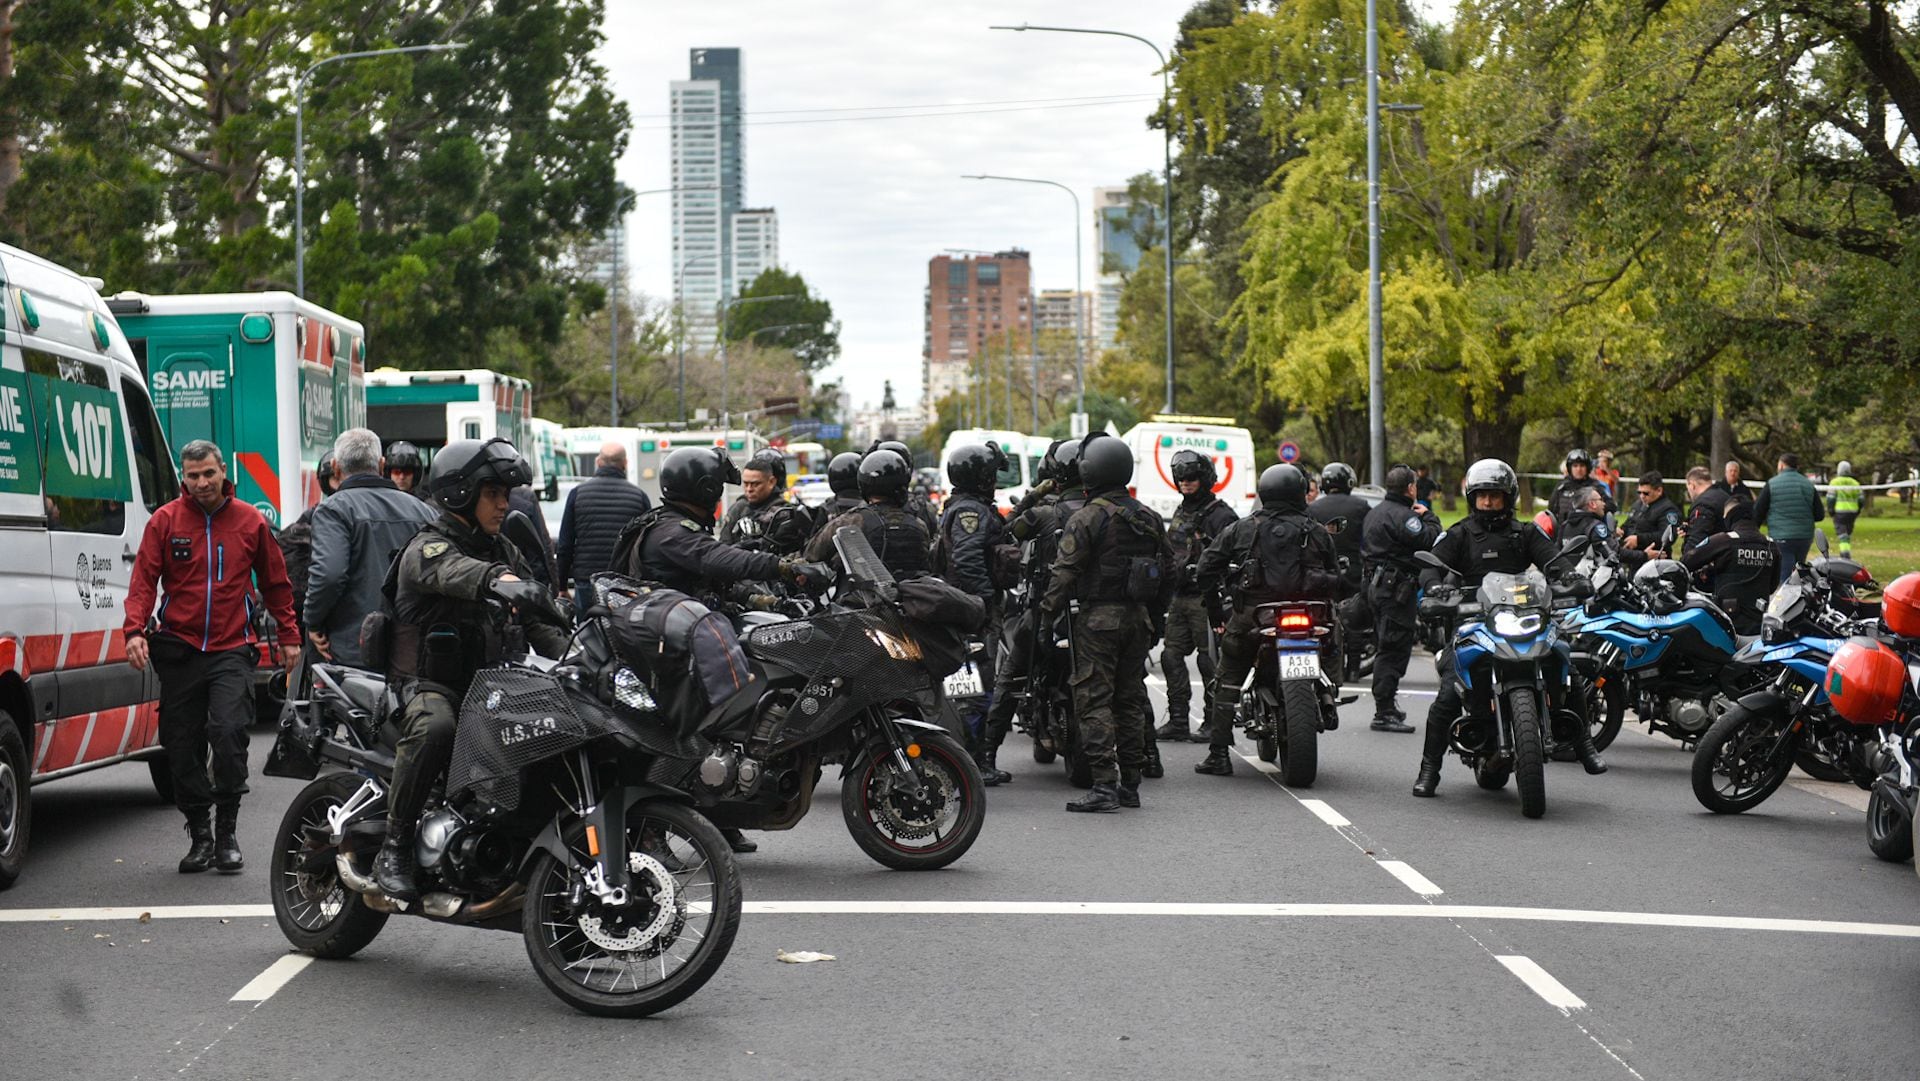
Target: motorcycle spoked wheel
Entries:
(1300, 751)
(1889, 831)
(907, 832)
(655, 951)
(1741, 760)
(315, 910)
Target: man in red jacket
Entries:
(206, 551)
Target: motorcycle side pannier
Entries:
(687, 653)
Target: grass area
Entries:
(1888, 544)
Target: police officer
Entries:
(1337, 501)
(1394, 531)
(1579, 474)
(403, 467)
(843, 479)
(900, 537)
(1283, 555)
(1200, 517)
(761, 517)
(1653, 517)
(445, 630)
(916, 502)
(1114, 560)
(970, 530)
(1707, 504)
(1488, 541)
(1740, 567)
(1588, 519)
(1035, 524)
(673, 545)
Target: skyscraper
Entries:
(1118, 256)
(756, 245)
(973, 304)
(709, 179)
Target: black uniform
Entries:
(831, 509)
(1476, 549)
(1283, 555)
(1035, 524)
(1349, 543)
(1114, 559)
(1393, 532)
(1199, 519)
(443, 632)
(970, 528)
(899, 537)
(1648, 521)
(1564, 499)
(1597, 528)
(1741, 569)
(675, 548)
(1704, 518)
(772, 525)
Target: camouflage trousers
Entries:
(1110, 643)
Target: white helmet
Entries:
(1845, 468)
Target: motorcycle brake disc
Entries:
(669, 913)
(911, 818)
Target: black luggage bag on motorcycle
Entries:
(687, 654)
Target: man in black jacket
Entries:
(356, 533)
(1739, 566)
(970, 529)
(762, 518)
(1706, 504)
(1651, 518)
(596, 511)
(1394, 531)
(1200, 517)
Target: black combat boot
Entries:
(1218, 763)
(1590, 759)
(1390, 720)
(226, 847)
(1174, 731)
(393, 869)
(1428, 781)
(1129, 789)
(991, 774)
(738, 841)
(1102, 798)
(199, 855)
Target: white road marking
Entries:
(1410, 878)
(169, 912)
(1263, 767)
(262, 987)
(1542, 982)
(1325, 813)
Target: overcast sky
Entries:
(864, 203)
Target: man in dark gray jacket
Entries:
(356, 533)
(590, 525)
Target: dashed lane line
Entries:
(262, 987)
(1242, 909)
(1410, 878)
(1542, 982)
(1325, 813)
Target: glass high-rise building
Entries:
(709, 179)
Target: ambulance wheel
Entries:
(16, 812)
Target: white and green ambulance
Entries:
(433, 408)
(271, 379)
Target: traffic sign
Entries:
(832, 431)
(1289, 451)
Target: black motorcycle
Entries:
(1294, 697)
(549, 823)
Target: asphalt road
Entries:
(1229, 928)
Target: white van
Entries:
(1015, 479)
(83, 464)
(1155, 441)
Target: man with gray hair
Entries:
(356, 533)
(590, 525)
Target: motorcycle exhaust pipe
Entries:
(354, 880)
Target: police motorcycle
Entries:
(1874, 681)
(1509, 660)
(1293, 694)
(1045, 710)
(1778, 712)
(549, 823)
(841, 686)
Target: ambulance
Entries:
(433, 408)
(1155, 441)
(547, 453)
(647, 448)
(238, 369)
(83, 463)
(1015, 479)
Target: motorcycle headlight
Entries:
(631, 691)
(1508, 623)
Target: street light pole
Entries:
(1079, 330)
(300, 147)
(1166, 101)
(726, 380)
(614, 307)
(1376, 366)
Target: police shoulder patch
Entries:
(970, 521)
(1068, 544)
(433, 549)
(1602, 530)
(695, 526)
(1413, 524)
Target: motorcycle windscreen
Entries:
(1525, 590)
(851, 660)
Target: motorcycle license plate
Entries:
(1299, 666)
(964, 683)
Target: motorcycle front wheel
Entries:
(636, 959)
(1743, 758)
(1529, 752)
(909, 832)
(1889, 832)
(315, 910)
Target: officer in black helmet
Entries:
(1200, 517)
(444, 630)
(843, 479)
(1490, 540)
(1034, 524)
(963, 554)
(762, 518)
(1336, 500)
(899, 537)
(1399, 527)
(403, 468)
(916, 502)
(673, 544)
(1114, 560)
(1283, 555)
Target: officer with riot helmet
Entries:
(1489, 541)
(843, 480)
(1200, 517)
(1336, 500)
(444, 630)
(915, 502)
(899, 537)
(1283, 555)
(1739, 566)
(1396, 529)
(1114, 560)
(1034, 523)
(964, 555)
(762, 518)
(403, 468)
(673, 544)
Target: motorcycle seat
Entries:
(1742, 641)
(365, 692)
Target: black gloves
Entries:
(533, 600)
(814, 577)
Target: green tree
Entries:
(808, 327)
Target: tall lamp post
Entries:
(1166, 99)
(1079, 330)
(300, 146)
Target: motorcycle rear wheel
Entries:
(1300, 716)
(1740, 761)
(1889, 833)
(1815, 764)
(315, 910)
(686, 953)
(898, 834)
(1529, 753)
